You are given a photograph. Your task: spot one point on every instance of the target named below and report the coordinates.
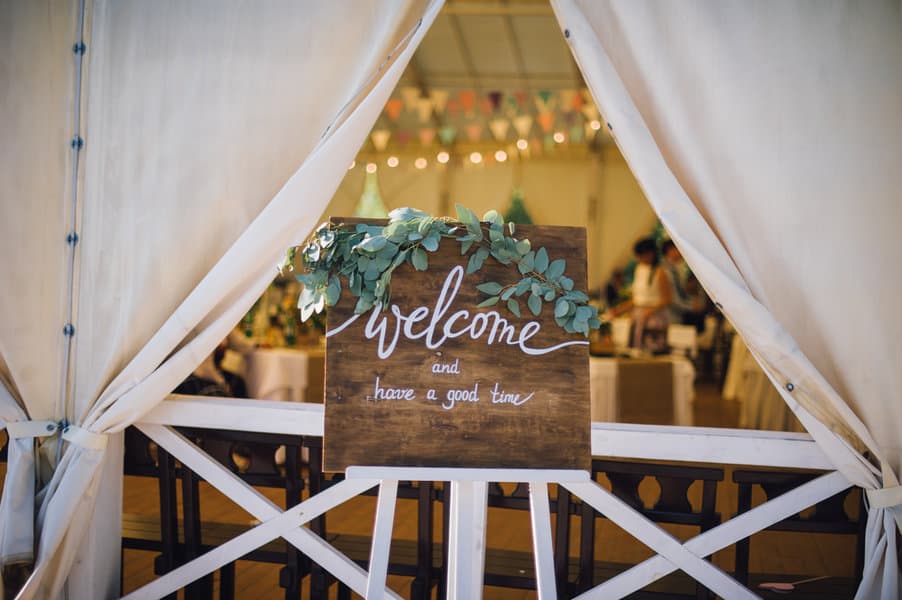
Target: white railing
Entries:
(468, 499)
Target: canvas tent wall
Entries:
(203, 155)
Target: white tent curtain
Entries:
(766, 136)
(214, 136)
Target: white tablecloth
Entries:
(603, 389)
(277, 374)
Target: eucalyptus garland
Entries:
(361, 258)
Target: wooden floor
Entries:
(776, 553)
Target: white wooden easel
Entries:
(468, 505)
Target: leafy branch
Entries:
(365, 256)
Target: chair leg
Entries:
(202, 588)
(741, 566)
(586, 547)
(421, 586)
(562, 541)
(227, 582)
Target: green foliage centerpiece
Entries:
(361, 258)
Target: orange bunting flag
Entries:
(467, 100)
(474, 132)
(393, 108)
(427, 136)
(485, 107)
(546, 120)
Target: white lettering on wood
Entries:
(458, 324)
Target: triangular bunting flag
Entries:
(499, 128)
(439, 99)
(522, 97)
(495, 99)
(403, 138)
(427, 136)
(410, 94)
(424, 109)
(467, 100)
(523, 124)
(566, 98)
(380, 139)
(577, 102)
(546, 121)
(485, 107)
(453, 107)
(447, 134)
(393, 108)
(544, 101)
(474, 132)
(576, 134)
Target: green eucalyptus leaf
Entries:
(541, 262)
(363, 305)
(431, 242)
(407, 214)
(576, 296)
(494, 218)
(582, 314)
(566, 283)
(466, 216)
(372, 272)
(465, 246)
(556, 269)
(414, 236)
(372, 244)
(514, 306)
(549, 295)
(508, 293)
(496, 236)
(535, 304)
(523, 247)
(511, 227)
(523, 286)
(333, 291)
(489, 287)
(425, 224)
(420, 259)
(561, 307)
(491, 301)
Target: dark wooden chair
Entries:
(827, 516)
(672, 506)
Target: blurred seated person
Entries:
(651, 295)
(680, 307)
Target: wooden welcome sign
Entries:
(434, 381)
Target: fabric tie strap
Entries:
(885, 497)
(31, 429)
(84, 438)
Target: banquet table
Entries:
(286, 374)
(607, 387)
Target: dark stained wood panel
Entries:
(550, 430)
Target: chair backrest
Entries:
(682, 340)
(620, 331)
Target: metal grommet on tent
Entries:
(567, 33)
(69, 329)
(718, 305)
(79, 48)
(790, 387)
(610, 128)
(77, 142)
(72, 238)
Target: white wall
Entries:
(556, 192)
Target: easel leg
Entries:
(467, 539)
(385, 518)
(540, 514)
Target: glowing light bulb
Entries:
(558, 137)
(501, 156)
(475, 158)
(371, 167)
(443, 157)
(392, 161)
(595, 124)
(420, 163)
(522, 144)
